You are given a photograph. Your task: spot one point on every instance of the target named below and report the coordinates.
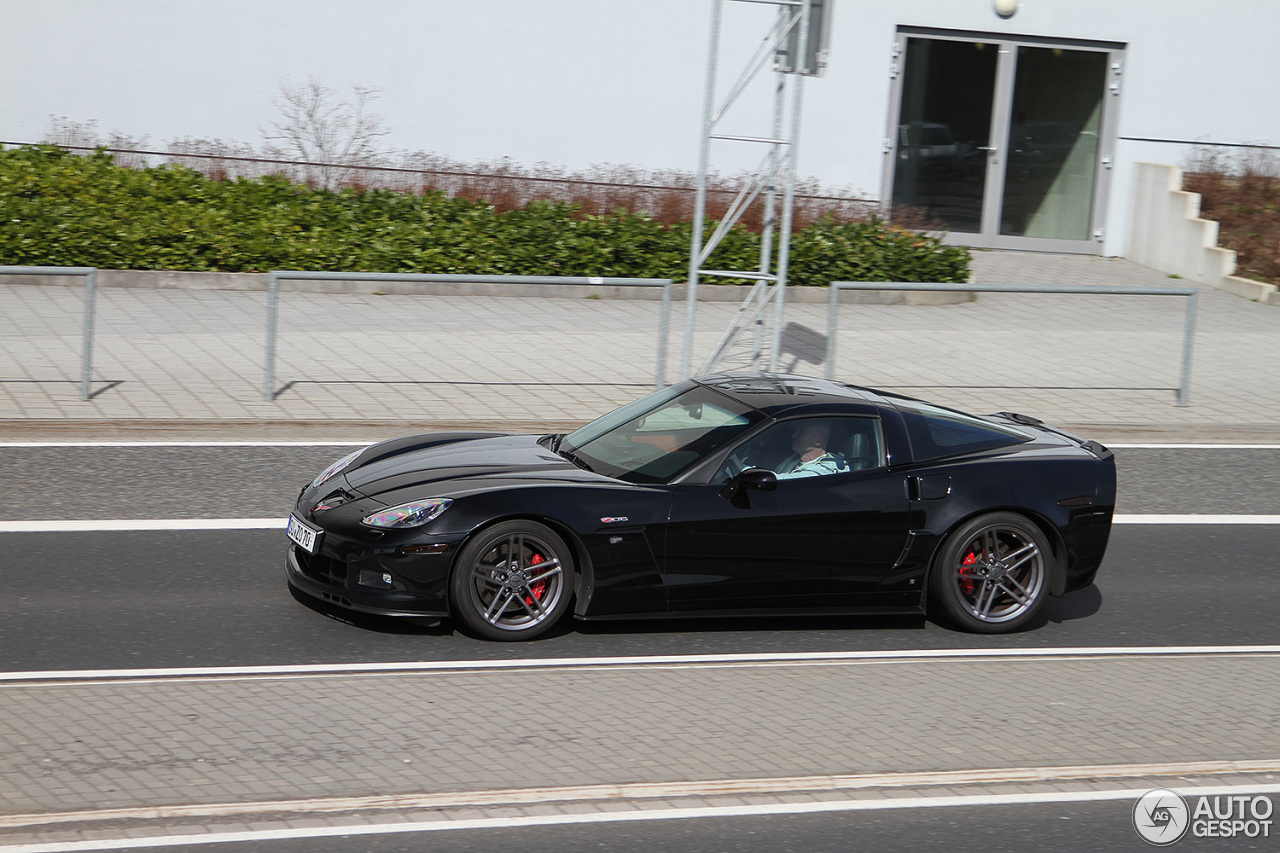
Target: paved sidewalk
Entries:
(86, 746)
(192, 362)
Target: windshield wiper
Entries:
(576, 460)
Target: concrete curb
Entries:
(649, 790)
(181, 280)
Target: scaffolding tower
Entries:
(797, 45)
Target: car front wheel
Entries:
(513, 581)
(992, 573)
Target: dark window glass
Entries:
(849, 444)
(936, 432)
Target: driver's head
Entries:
(810, 435)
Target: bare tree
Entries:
(83, 136)
(325, 132)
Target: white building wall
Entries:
(1194, 71)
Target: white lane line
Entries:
(127, 524)
(1123, 446)
(186, 443)
(1194, 446)
(697, 812)
(110, 525)
(653, 790)
(669, 661)
(1154, 518)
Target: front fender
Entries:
(615, 553)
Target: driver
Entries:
(809, 456)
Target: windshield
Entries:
(657, 437)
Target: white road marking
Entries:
(696, 812)
(668, 661)
(1195, 519)
(128, 524)
(1194, 446)
(187, 443)
(373, 441)
(117, 525)
(112, 525)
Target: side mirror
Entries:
(752, 478)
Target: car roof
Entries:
(777, 395)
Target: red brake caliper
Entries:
(966, 577)
(537, 587)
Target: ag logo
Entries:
(1161, 816)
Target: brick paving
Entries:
(85, 746)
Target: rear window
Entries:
(935, 431)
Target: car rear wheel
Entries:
(513, 581)
(992, 574)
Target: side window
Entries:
(936, 432)
(811, 447)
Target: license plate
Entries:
(305, 537)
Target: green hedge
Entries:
(58, 209)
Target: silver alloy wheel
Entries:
(999, 574)
(516, 583)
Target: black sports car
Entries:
(732, 494)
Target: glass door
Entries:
(944, 130)
(1052, 159)
(1002, 144)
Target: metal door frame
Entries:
(988, 236)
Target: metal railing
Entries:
(90, 295)
(276, 276)
(1182, 392)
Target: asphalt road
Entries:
(252, 482)
(108, 600)
(92, 600)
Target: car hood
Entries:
(506, 461)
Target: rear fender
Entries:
(1057, 566)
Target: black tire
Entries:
(992, 574)
(513, 581)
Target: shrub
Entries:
(872, 251)
(1242, 194)
(58, 209)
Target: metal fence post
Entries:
(833, 308)
(1188, 339)
(664, 328)
(86, 328)
(86, 344)
(1182, 393)
(269, 382)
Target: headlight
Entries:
(413, 514)
(336, 467)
